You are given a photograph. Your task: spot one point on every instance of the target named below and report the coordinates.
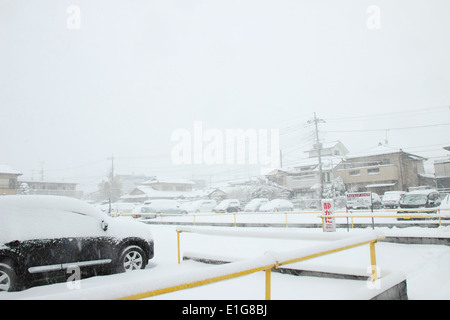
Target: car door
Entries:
(88, 248)
(40, 255)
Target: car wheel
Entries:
(8, 278)
(132, 258)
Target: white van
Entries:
(391, 199)
(199, 206)
(255, 204)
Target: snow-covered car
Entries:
(420, 199)
(199, 206)
(391, 199)
(277, 205)
(361, 204)
(255, 204)
(161, 206)
(228, 205)
(444, 207)
(44, 237)
(445, 204)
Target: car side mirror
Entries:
(104, 225)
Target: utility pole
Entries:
(281, 159)
(112, 168)
(318, 147)
(42, 170)
(112, 186)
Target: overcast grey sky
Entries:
(126, 74)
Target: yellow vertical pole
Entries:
(439, 213)
(178, 245)
(286, 219)
(194, 219)
(373, 261)
(234, 214)
(268, 275)
(323, 225)
(351, 213)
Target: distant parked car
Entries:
(391, 199)
(255, 204)
(161, 206)
(376, 201)
(199, 206)
(41, 237)
(445, 206)
(277, 205)
(445, 203)
(420, 199)
(361, 204)
(228, 205)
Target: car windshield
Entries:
(415, 199)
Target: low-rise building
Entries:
(8, 179)
(381, 169)
(304, 177)
(54, 188)
(163, 188)
(442, 173)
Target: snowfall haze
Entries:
(136, 71)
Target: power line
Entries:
(388, 129)
(390, 114)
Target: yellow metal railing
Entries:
(405, 214)
(234, 214)
(338, 214)
(267, 262)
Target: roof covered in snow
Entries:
(143, 192)
(6, 169)
(168, 181)
(381, 150)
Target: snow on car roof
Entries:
(424, 191)
(27, 217)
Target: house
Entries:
(163, 188)
(304, 178)
(247, 189)
(169, 184)
(333, 148)
(55, 188)
(130, 181)
(442, 173)
(381, 169)
(8, 179)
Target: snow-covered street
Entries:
(424, 266)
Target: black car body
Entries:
(46, 238)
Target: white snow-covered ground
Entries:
(425, 268)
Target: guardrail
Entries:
(266, 262)
(234, 214)
(401, 214)
(339, 214)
